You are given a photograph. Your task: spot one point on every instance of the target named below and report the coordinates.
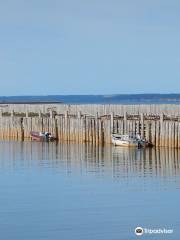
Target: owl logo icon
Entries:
(139, 231)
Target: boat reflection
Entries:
(95, 160)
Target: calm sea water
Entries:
(99, 99)
(81, 192)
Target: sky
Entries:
(89, 47)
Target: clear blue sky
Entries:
(89, 46)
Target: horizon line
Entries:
(107, 94)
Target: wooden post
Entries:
(157, 134)
(166, 134)
(51, 114)
(84, 128)
(147, 131)
(125, 123)
(153, 132)
(161, 118)
(66, 125)
(79, 114)
(161, 141)
(112, 123)
(172, 134)
(12, 113)
(142, 124)
(97, 128)
(79, 126)
(178, 134)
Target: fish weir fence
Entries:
(162, 130)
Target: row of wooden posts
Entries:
(160, 130)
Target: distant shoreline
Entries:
(94, 99)
(30, 102)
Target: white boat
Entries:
(126, 140)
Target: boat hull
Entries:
(35, 136)
(122, 143)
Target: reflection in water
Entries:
(77, 192)
(95, 160)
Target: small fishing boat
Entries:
(132, 140)
(42, 136)
(125, 140)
